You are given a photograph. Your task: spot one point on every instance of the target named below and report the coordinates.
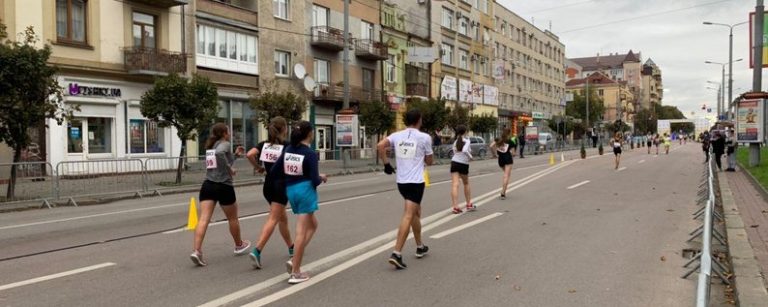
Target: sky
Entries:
(670, 32)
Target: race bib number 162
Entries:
(293, 164)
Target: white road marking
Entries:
(348, 181)
(621, 168)
(428, 223)
(641, 161)
(54, 276)
(578, 184)
(90, 216)
(465, 226)
(182, 229)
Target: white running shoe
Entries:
(242, 249)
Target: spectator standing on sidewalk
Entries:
(521, 141)
(705, 145)
(718, 148)
(731, 151)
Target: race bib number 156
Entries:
(271, 153)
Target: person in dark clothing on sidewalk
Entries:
(718, 148)
(521, 144)
(705, 146)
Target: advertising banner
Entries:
(498, 70)
(490, 95)
(422, 54)
(663, 126)
(465, 90)
(477, 93)
(531, 133)
(749, 121)
(751, 41)
(448, 88)
(347, 130)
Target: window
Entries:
(447, 54)
(320, 16)
(227, 50)
(484, 64)
(366, 30)
(600, 93)
(281, 8)
(391, 69)
(322, 71)
(447, 18)
(367, 79)
(504, 29)
(477, 63)
(75, 136)
(463, 59)
(483, 6)
(143, 30)
(464, 26)
(99, 135)
(71, 20)
(282, 62)
(145, 136)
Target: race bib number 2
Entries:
(406, 149)
(271, 153)
(293, 164)
(210, 159)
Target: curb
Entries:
(749, 284)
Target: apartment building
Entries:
(108, 53)
(652, 87)
(324, 62)
(617, 96)
(462, 76)
(528, 69)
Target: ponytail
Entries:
(217, 133)
(300, 132)
(276, 129)
(460, 131)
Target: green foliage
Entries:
(760, 172)
(458, 115)
(563, 125)
(188, 106)
(617, 127)
(433, 113)
(377, 116)
(29, 93)
(275, 102)
(484, 123)
(578, 107)
(645, 121)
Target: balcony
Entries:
(163, 3)
(328, 38)
(335, 92)
(150, 61)
(416, 81)
(371, 50)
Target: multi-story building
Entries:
(618, 99)
(652, 87)
(619, 67)
(225, 37)
(324, 62)
(462, 75)
(108, 53)
(528, 69)
(405, 25)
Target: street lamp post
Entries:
(730, 59)
(719, 94)
(721, 106)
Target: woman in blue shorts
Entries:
(298, 166)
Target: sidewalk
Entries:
(747, 201)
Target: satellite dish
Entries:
(309, 84)
(299, 71)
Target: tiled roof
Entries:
(606, 61)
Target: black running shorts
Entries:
(224, 194)
(275, 193)
(412, 191)
(617, 151)
(505, 159)
(461, 168)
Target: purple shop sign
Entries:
(78, 90)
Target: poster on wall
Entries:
(531, 133)
(662, 127)
(465, 90)
(477, 93)
(448, 88)
(347, 130)
(490, 95)
(749, 121)
(498, 70)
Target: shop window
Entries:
(145, 137)
(99, 135)
(75, 136)
(71, 20)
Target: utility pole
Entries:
(345, 105)
(721, 106)
(587, 100)
(757, 72)
(730, 74)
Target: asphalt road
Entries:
(577, 233)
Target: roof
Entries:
(596, 78)
(606, 61)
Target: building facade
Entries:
(528, 69)
(652, 87)
(108, 53)
(618, 99)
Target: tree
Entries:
(378, 119)
(457, 115)
(483, 124)
(188, 106)
(29, 93)
(562, 125)
(578, 107)
(645, 121)
(433, 113)
(273, 102)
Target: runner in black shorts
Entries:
(262, 157)
(462, 154)
(217, 187)
(503, 150)
(616, 143)
(412, 150)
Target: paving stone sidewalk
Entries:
(754, 212)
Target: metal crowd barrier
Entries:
(99, 177)
(707, 263)
(34, 182)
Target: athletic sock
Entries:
(396, 253)
(420, 246)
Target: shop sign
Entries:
(79, 90)
(538, 115)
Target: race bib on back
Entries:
(616, 144)
(293, 164)
(503, 148)
(270, 153)
(406, 149)
(210, 159)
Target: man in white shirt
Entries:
(413, 151)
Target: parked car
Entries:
(477, 146)
(546, 141)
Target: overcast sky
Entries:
(677, 41)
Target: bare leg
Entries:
(505, 183)
(405, 225)
(454, 190)
(467, 196)
(234, 223)
(416, 223)
(276, 218)
(206, 211)
(303, 228)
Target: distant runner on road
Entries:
(503, 150)
(616, 142)
(412, 151)
(217, 187)
(263, 157)
(462, 154)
